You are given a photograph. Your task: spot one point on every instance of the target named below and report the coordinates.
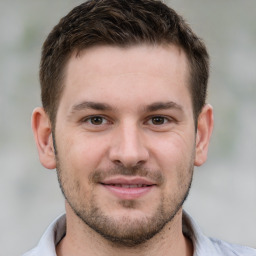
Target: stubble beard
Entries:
(125, 231)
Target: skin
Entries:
(125, 116)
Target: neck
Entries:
(81, 240)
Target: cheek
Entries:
(174, 156)
(80, 153)
(77, 160)
(174, 147)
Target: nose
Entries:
(128, 147)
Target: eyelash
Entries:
(150, 119)
(89, 120)
(164, 119)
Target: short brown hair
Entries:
(120, 23)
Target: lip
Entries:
(128, 188)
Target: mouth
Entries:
(128, 185)
(128, 188)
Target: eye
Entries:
(158, 120)
(96, 120)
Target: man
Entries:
(124, 121)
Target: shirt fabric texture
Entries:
(203, 246)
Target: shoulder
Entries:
(228, 249)
(54, 233)
(204, 246)
(30, 253)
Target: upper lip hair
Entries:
(128, 181)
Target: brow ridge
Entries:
(91, 105)
(106, 107)
(163, 105)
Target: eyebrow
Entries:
(90, 105)
(163, 105)
(106, 107)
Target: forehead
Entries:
(107, 72)
(129, 59)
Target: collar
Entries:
(203, 246)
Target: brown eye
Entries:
(96, 120)
(158, 120)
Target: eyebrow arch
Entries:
(90, 105)
(105, 107)
(163, 105)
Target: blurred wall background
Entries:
(223, 196)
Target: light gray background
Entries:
(223, 196)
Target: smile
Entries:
(128, 188)
(129, 185)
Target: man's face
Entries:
(125, 139)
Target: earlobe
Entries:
(204, 131)
(41, 127)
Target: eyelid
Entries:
(107, 120)
(87, 119)
(168, 119)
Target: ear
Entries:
(204, 131)
(41, 127)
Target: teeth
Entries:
(129, 185)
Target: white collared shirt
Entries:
(203, 246)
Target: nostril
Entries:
(129, 151)
(126, 164)
(117, 162)
(139, 164)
